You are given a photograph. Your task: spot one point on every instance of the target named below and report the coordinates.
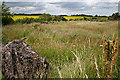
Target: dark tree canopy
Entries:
(6, 19)
(115, 16)
(5, 10)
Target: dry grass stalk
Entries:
(86, 76)
(59, 72)
(78, 60)
(114, 53)
(97, 67)
(110, 52)
(71, 76)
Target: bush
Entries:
(7, 20)
(63, 19)
(38, 20)
(85, 18)
(25, 20)
(102, 20)
(79, 19)
(71, 20)
(30, 20)
(42, 19)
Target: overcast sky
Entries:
(64, 7)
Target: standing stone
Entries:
(19, 60)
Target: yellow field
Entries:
(73, 17)
(15, 17)
(82, 17)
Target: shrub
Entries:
(85, 18)
(71, 20)
(30, 20)
(7, 20)
(25, 20)
(102, 20)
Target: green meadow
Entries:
(71, 48)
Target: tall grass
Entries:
(72, 48)
(110, 53)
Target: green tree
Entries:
(46, 17)
(5, 10)
(59, 18)
(96, 15)
(6, 19)
(115, 16)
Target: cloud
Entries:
(82, 8)
(92, 1)
(76, 6)
(71, 6)
(20, 4)
(58, 8)
(22, 9)
(25, 7)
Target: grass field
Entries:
(72, 48)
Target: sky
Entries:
(64, 7)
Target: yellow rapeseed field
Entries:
(15, 17)
(73, 17)
(82, 17)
